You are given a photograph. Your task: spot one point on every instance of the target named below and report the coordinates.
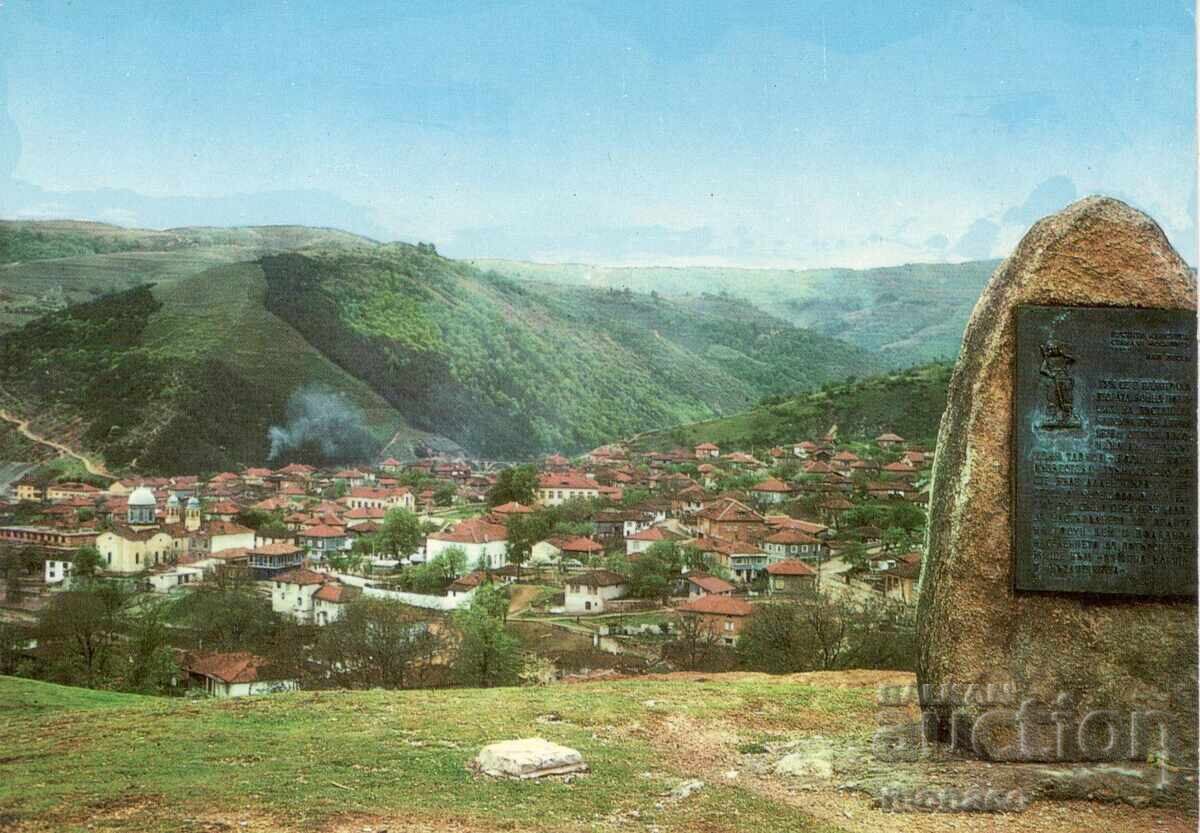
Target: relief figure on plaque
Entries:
(1057, 360)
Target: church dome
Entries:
(193, 502)
(173, 500)
(142, 496)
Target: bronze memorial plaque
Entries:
(1105, 451)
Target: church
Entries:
(142, 541)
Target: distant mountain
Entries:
(196, 342)
(908, 402)
(907, 314)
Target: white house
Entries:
(330, 601)
(57, 571)
(292, 593)
(647, 538)
(484, 542)
(557, 488)
(165, 578)
(588, 593)
(237, 674)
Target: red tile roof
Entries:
(511, 508)
(730, 510)
(598, 578)
(720, 605)
(302, 576)
(323, 531)
(655, 533)
(472, 531)
(710, 584)
(567, 480)
(790, 567)
(239, 667)
(337, 593)
(771, 485)
(580, 544)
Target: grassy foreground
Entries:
(74, 759)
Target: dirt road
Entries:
(23, 427)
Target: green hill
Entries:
(195, 341)
(46, 265)
(907, 314)
(338, 760)
(908, 402)
(511, 368)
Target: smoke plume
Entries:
(322, 428)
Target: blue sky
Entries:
(783, 133)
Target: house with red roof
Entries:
(484, 542)
(794, 543)
(888, 440)
(323, 540)
(555, 488)
(771, 491)
(311, 597)
(269, 560)
(329, 603)
(373, 497)
(707, 451)
(732, 520)
(790, 576)
(644, 540)
(238, 674)
(724, 617)
(589, 592)
(702, 584)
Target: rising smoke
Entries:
(322, 428)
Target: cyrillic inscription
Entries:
(1105, 451)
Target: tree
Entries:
(525, 530)
(896, 539)
(435, 574)
(906, 516)
(697, 643)
(486, 655)
(80, 629)
(86, 562)
(518, 484)
(149, 665)
(806, 634)
(230, 619)
(445, 494)
(656, 570)
(401, 532)
(13, 640)
(378, 643)
(492, 598)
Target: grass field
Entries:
(75, 759)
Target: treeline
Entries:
(102, 634)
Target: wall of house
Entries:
(585, 599)
(293, 600)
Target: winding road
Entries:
(23, 427)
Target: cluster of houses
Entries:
(773, 535)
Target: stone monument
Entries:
(1057, 612)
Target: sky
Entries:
(799, 134)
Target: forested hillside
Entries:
(908, 402)
(511, 368)
(197, 342)
(907, 314)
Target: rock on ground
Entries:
(528, 758)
